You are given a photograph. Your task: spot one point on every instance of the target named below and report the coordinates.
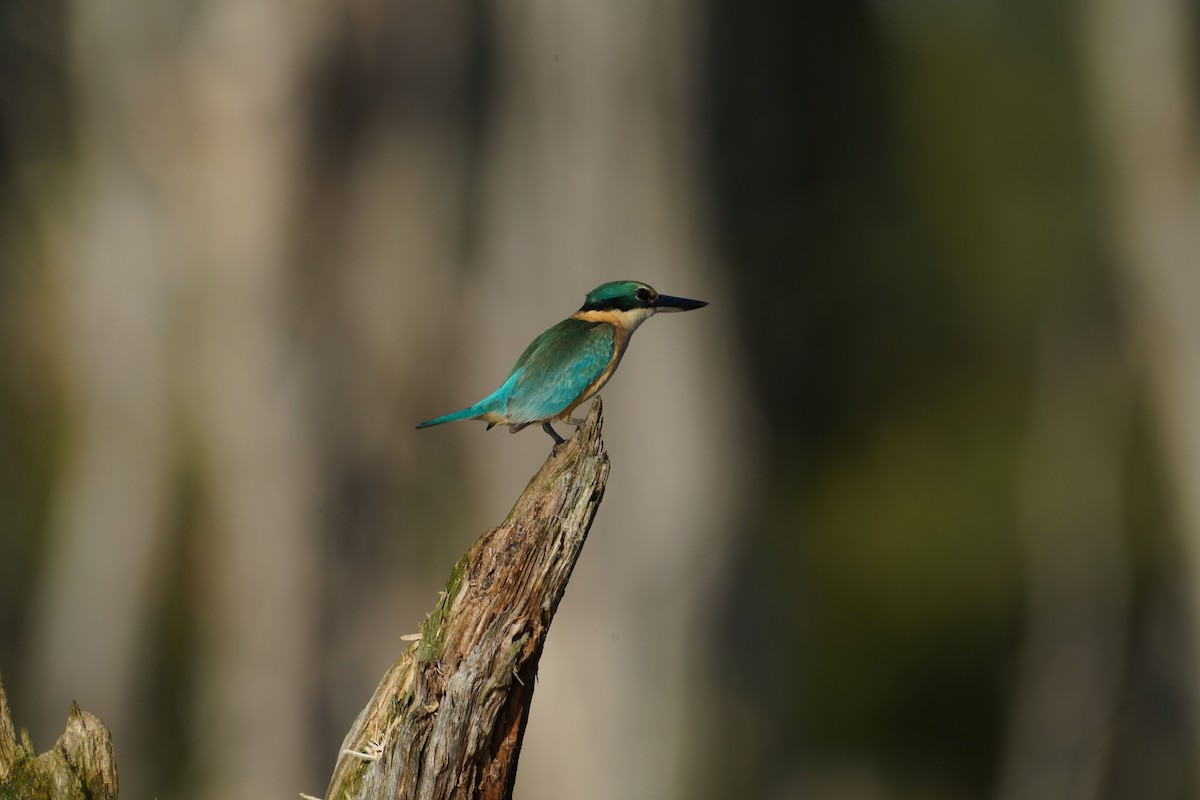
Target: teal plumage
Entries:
(557, 367)
(571, 361)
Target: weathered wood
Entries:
(447, 719)
(80, 766)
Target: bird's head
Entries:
(635, 299)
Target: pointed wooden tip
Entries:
(577, 461)
(89, 750)
(451, 712)
(586, 438)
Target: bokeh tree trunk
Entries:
(1141, 64)
(175, 290)
(248, 395)
(1076, 572)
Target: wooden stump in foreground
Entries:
(447, 719)
(80, 766)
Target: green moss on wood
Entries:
(433, 630)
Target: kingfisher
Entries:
(568, 363)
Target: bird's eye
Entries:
(643, 295)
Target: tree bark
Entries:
(448, 718)
(80, 766)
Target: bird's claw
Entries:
(553, 434)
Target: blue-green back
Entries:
(557, 367)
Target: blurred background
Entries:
(912, 510)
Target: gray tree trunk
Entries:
(172, 256)
(448, 719)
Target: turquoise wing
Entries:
(557, 367)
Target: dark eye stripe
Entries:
(611, 304)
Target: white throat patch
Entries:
(631, 319)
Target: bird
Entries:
(571, 361)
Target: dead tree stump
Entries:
(448, 718)
(80, 766)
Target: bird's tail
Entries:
(493, 404)
(465, 413)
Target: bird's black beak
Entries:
(664, 302)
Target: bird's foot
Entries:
(553, 434)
